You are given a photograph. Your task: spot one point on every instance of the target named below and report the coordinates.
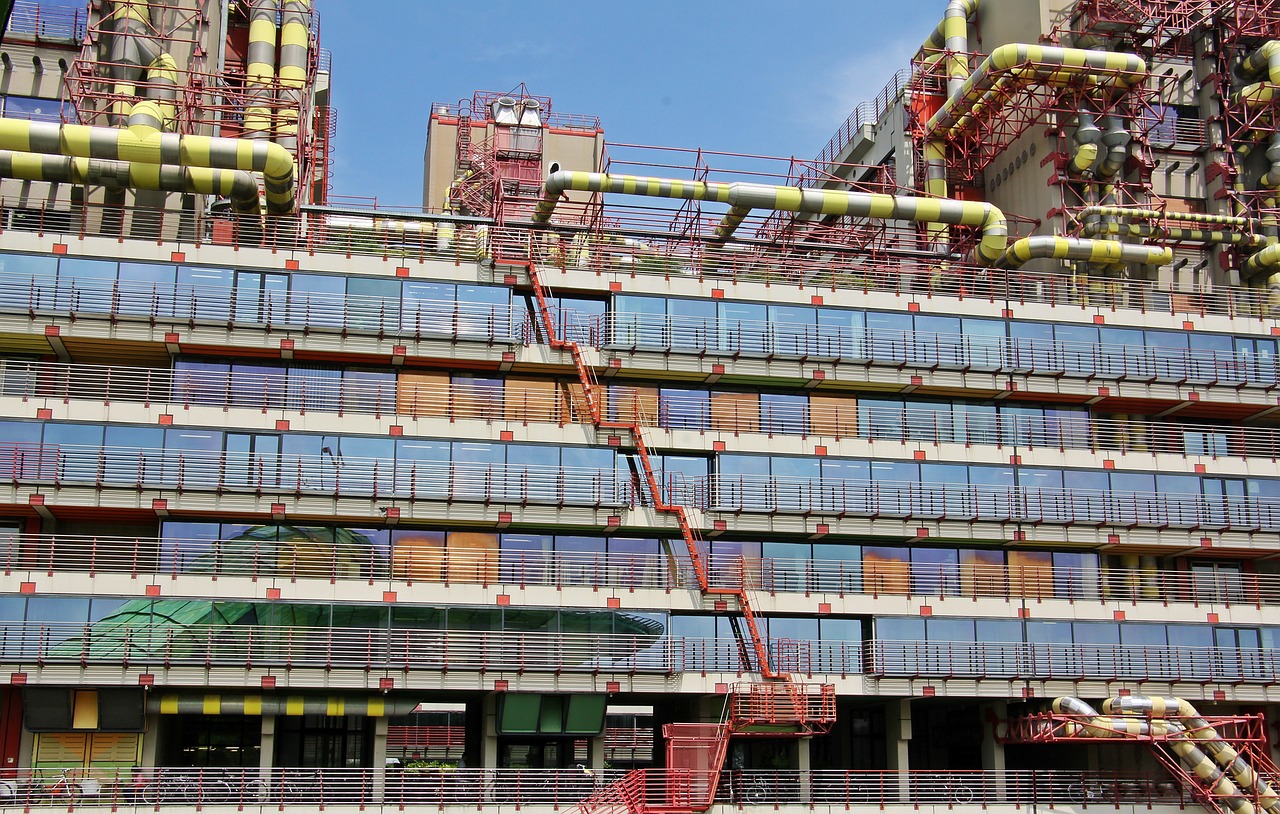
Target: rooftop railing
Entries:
(44, 22)
(320, 555)
(394, 788)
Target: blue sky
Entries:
(770, 78)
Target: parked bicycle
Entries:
(67, 788)
(185, 788)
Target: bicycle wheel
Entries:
(216, 792)
(150, 793)
(961, 794)
(254, 791)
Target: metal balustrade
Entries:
(984, 503)
(918, 349)
(158, 643)
(1081, 662)
(334, 559)
(158, 788)
(32, 20)
(113, 643)
(406, 319)
(391, 317)
(62, 465)
(306, 391)
(395, 235)
(109, 466)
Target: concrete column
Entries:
(267, 752)
(489, 743)
(804, 763)
(898, 733)
(150, 742)
(595, 752)
(379, 758)
(992, 749)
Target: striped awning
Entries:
(242, 704)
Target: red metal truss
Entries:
(1015, 105)
(1148, 27)
(1244, 734)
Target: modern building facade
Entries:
(650, 478)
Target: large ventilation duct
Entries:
(1086, 136)
(742, 198)
(505, 110)
(239, 186)
(260, 73)
(1100, 252)
(295, 37)
(1116, 139)
(143, 143)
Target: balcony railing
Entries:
(978, 502)
(346, 475)
(307, 391)
(147, 645)
(150, 788)
(392, 235)
(917, 349)
(47, 22)
(65, 465)
(320, 559)
(389, 317)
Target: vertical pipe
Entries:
(295, 35)
(261, 70)
(129, 51)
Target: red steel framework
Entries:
(1246, 734)
(1019, 100)
(1148, 27)
(208, 102)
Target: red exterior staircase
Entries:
(779, 707)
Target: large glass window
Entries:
(204, 293)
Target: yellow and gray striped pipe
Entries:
(1137, 213)
(1209, 757)
(260, 71)
(253, 704)
(237, 185)
(295, 37)
(1264, 62)
(1143, 231)
(1086, 136)
(1045, 64)
(130, 50)
(1197, 745)
(1115, 138)
(1101, 252)
(742, 198)
(952, 36)
(142, 143)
